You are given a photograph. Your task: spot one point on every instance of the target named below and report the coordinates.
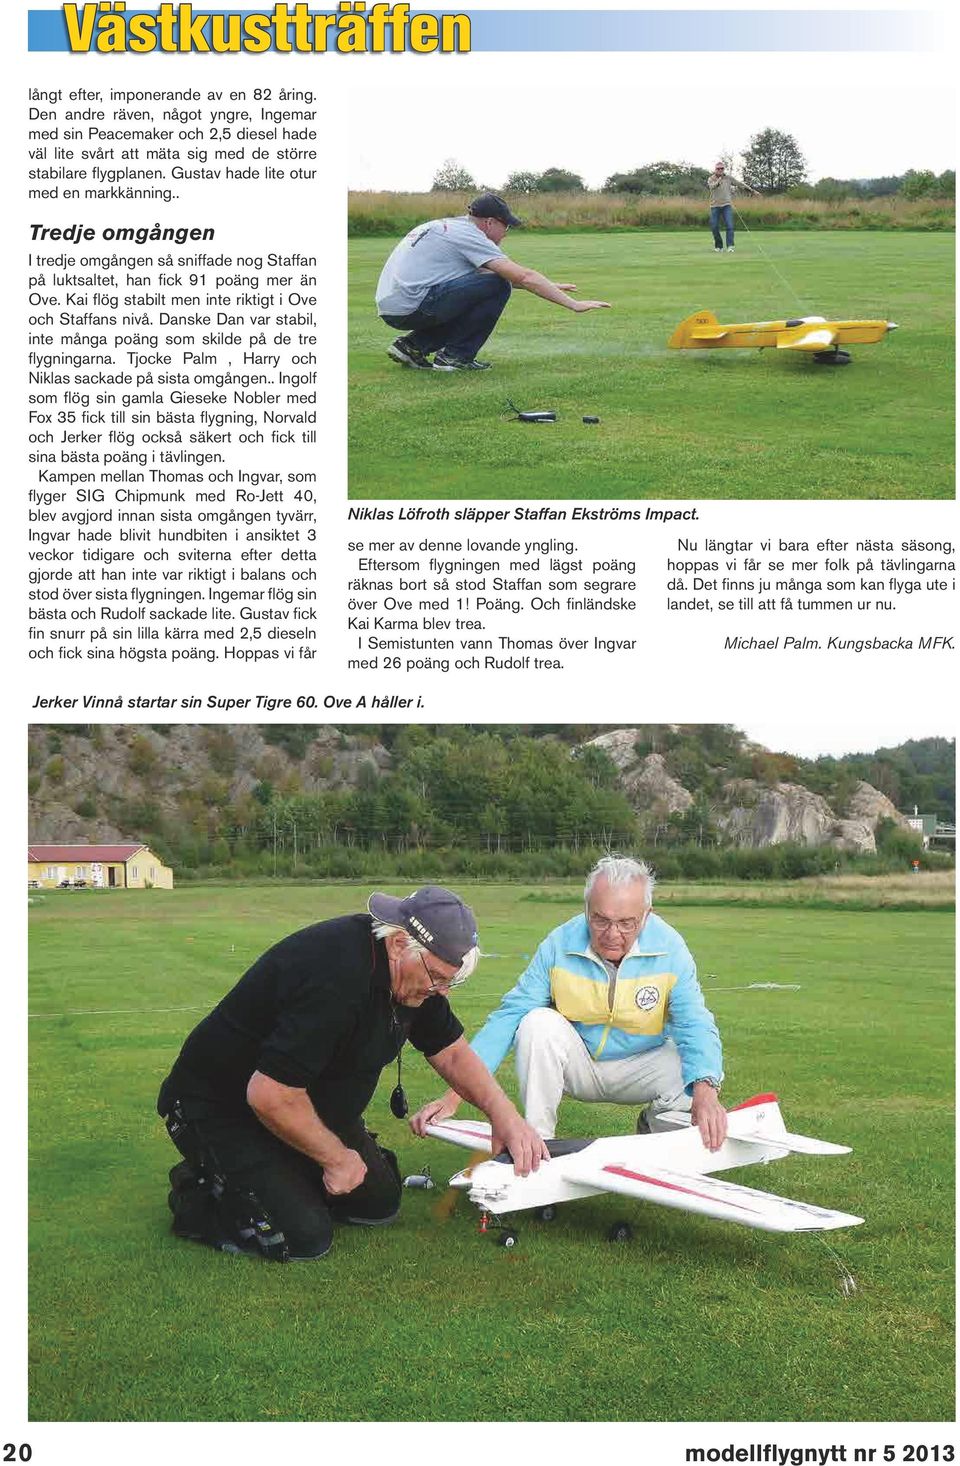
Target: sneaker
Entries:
(643, 1124)
(444, 362)
(729, 249)
(404, 351)
(718, 249)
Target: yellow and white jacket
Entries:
(656, 996)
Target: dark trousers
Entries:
(722, 213)
(458, 315)
(287, 1185)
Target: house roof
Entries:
(82, 852)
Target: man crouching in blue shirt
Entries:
(609, 1009)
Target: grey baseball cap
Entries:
(433, 916)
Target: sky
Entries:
(842, 735)
(852, 117)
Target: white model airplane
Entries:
(671, 1168)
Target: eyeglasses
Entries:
(627, 928)
(437, 982)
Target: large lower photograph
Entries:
(474, 1073)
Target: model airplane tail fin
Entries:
(758, 1121)
(701, 326)
(760, 1111)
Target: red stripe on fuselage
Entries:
(757, 1099)
(462, 1130)
(671, 1186)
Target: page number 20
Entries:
(16, 1453)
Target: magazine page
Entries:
(482, 573)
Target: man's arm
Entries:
(289, 1114)
(469, 1077)
(537, 284)
(692, 1028)
(492, 1043)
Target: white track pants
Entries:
(552, 1061)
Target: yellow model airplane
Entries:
(702, 331)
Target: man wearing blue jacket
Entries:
(609, 1009)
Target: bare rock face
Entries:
(760, 814)
(620, 746)
(651, 786)
(60, 825)
(855, 835)
(870, 806)
(88, 786)
(645, 781)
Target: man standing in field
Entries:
(721, 185)
(266, 1099)
(609, 1009)
(446, 285)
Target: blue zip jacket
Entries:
(657, 996)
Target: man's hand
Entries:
(526, 1147)
(434, 1111)
(589, 305)
(709, 1116)
(345, 1173)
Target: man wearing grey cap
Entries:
(447, 282)
(266, 1099)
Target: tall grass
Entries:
(395, 213)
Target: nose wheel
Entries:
(503, 1236)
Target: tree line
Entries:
(487, 799)
(772, 164)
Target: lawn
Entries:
(427, 1320)
(674, 424)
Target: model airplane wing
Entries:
(813, 334)
(471, 1134)
(707, 1196)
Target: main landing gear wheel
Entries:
(836, 357)
(508, 1239)
(547, 1213)
(620, 1232)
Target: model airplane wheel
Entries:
(620, 1232)
(508, 1239)
(547, 1213)
(832, 358)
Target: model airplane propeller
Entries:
(703, 332)
(671, 1168)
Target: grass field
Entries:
(720, 424)
(427, 1320)
(928, 890)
